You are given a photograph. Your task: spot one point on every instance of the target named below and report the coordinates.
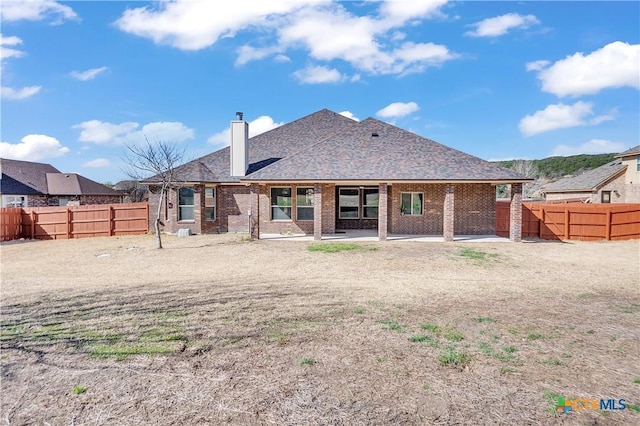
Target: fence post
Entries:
(566, 222)
(33, 224)
(607, 232)
(68, 223)
(111, 221)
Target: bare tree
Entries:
(157, 162)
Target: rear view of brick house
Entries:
(325, 173)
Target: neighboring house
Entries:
(325, 173)
(614, 182)
(132, 191)
(29, 184)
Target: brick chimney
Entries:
(239, 146)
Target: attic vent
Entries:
(374, 135)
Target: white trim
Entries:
(411, 202)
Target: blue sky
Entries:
(498, 80)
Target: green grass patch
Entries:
(510, 349)
(333, 247)
(484, 319)
(454, 358)
(479, 255)
(551, 361)
(77, 390)
(307, 361)
(453, 335)
(636, 380)
(391, 324)
(121, 351)
(486, 349)
(359, 311)
(434, 328)
(634, 407)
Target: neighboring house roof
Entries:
(633, 151)
(588, 181)
(75, 184)
(374, 150)
(24, 177)
(327, 146)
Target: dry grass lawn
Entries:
(216, 329)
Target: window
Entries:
(209, 204)
(638, 163)
(349, 203)
(605, 196)
(280, 203)
(304, 203)
(14, 201)
(370, 203)
(411, 203)
(185, 203)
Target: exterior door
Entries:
(356, 207)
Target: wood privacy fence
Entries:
(101, 220)
(576, 221)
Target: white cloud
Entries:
(262, 124)
(105, 133)
(97, 163)
(18, 94)
(33, 148)
(537, 65)
(324, 28)
(349, 114)
(87, 75)
(318, 74)
(500, 25)
(398, 109)
(35, 10)
(615, 65)
(594, 146)
(194, 25)
(10, 52)
(561, 116)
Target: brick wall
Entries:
(100, 199)
(475, 209)
(268, 226)
(431, 221)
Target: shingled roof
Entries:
(75, 184)
(267, 147)
(24, 177)
(374, 150)
(326, 146)
(588, 181)
(633, 151)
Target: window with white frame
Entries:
(304, 203)
(349, 203)
(209, 204)
(281, 203)
(14, 201)
(411, 203)
(605, 196)
(370, 199)
(186, 204)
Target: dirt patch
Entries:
(215, 329)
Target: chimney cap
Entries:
(239, 114)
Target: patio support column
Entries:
(254, 218)
(449, 212)
(317, 212)
(515, 213)
(382, 212)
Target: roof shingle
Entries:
(587, 181)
